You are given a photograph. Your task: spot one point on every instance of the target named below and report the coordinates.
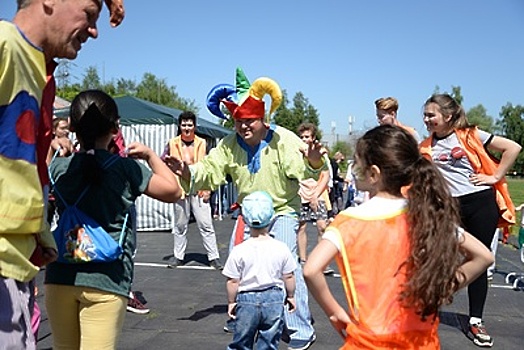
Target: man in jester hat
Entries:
(260, 157)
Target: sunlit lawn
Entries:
(516, 189)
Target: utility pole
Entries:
(351, 120)
(333, 132)
(62, 73)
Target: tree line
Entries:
(291, 113)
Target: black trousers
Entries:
(479, 213)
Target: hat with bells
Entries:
(245, 100)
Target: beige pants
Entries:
(84, 318)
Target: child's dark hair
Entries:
(433, 216)
(94, 114)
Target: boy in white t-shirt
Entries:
(259, 271)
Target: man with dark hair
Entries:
(191, 149)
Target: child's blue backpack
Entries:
(80, 238)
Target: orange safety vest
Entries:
(199, 146)
(372, 250)
(481, 162)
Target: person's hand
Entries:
(175, 164)
(339, 320)
(232, 310)
(205, 195)
(138, 150)
(43, 255)
(291, 304)
(64, 145)
(482, 179)
(314, 153)
(313, 204)
(116, 11)
(48, 255)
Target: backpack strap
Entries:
(110, 161)
(55, 154)
(123, 232)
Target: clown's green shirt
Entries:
(276, 166)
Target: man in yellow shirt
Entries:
(41, 31)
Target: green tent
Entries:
(135, 111)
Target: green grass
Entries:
(516, 190)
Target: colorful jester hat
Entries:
(244, 101)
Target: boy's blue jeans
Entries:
(260, 316)
(299, 323)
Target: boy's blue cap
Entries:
(257, 209)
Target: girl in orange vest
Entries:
(401, 254)
(458, 149)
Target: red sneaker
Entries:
(480, 335)
(135, 306)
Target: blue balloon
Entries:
(217, 94)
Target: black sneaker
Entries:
(480, 336)
(176, 263)
(216, 264)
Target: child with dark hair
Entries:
(86, 302)
(402, 254)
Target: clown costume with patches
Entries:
(260, 157)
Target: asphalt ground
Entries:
(188, 304)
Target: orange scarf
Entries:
(482, 163)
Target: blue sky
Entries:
(342, 55)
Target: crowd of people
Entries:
(416, 227)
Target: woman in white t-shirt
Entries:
(459, 151)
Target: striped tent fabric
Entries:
(152, 215)
(154, 125)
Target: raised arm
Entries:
(314, 154)
(116, 11)
(163, 185)
(178, 167)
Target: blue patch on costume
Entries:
(11, 145)
(253, 153)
